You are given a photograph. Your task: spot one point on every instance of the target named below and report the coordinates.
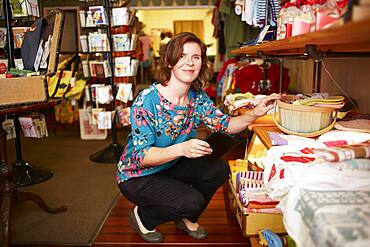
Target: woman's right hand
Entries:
(265, 105)
(194, 148)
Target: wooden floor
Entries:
(218, 220)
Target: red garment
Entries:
(210, 91)
(224, 67)
(249, 79)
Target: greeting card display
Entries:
(120, 16)
(122, 66)
(98, 42)
(104, 94)
(121, 42)
(89, 131)
(9, 128)
(124, 92)
(2, 37)
(18, 36)
(98, 15)
(105, 119)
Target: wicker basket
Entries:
(306, 121)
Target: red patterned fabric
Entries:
(248, 79)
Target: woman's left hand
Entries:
(265, 105)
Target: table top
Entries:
(29, 107)
(262, 132)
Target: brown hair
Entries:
(173, 53)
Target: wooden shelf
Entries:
(350, 37)
(262, 133)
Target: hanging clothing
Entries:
(250, 79)
(235, 30)
(226, 80)
(224, 66)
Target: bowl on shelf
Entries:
(306, 121)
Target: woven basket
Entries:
(306, 121)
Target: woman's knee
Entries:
(221, 171)
(191, 204)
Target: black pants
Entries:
(182, 191)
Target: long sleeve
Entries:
(211, 116)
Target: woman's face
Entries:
(188, 67)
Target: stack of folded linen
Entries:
(252, 193)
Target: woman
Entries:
(164, 170)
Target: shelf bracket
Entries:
(264, 71)
(316, 56)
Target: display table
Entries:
(25, 174)
(262, 133)
(250, 223)
(10, 196)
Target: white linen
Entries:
(323, 203)
(329, 207)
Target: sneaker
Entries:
(151, 237)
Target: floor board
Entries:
(220, 223)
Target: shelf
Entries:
(123, 53)
(84, 52)
(114, 53)
(262, 133)
(105, 26)
(350, 37)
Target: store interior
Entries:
(65, 127)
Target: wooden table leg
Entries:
(7, 187)
(9, 194)
(21, 196)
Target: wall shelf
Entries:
(353, 37)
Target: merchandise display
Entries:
(109, 64)
(286, 176)
(302, 177)
(21, 96)
(307, 116)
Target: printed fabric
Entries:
(156, 122)
(328, 206)
(323, 203)
(335, 154)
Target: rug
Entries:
(88, 189)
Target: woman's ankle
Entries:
(140, 224)
(190, 225)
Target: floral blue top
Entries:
(156, 122)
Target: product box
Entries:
(22, 90)
(236, 166)
(250, 222)
(34, 89)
